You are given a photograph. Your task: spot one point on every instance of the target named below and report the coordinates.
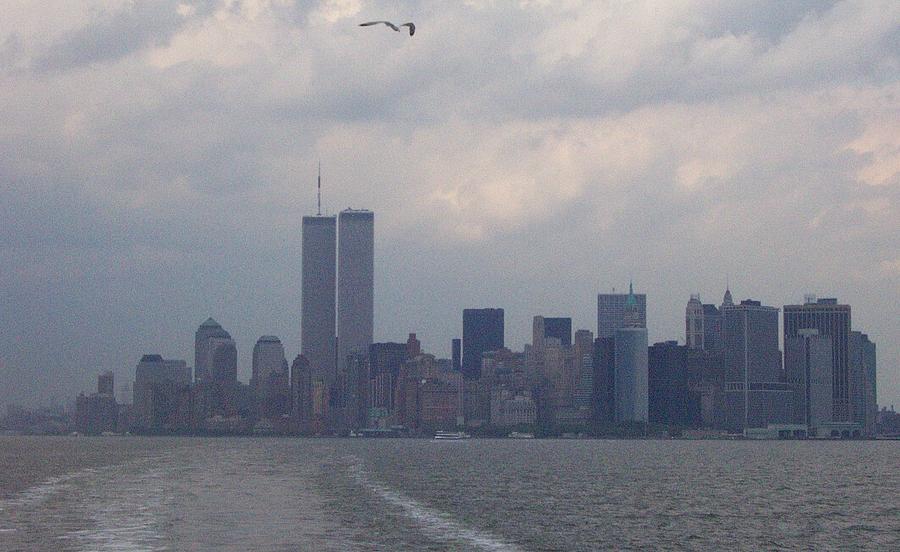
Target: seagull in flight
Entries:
(412, 26)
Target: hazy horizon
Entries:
(156, 158)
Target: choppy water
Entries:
(124, 494)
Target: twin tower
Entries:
(337, 310)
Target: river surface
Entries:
(125, 494)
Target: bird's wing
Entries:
(388, 23)
(412, 28)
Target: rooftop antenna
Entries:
(320, 188)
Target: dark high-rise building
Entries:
(706, 380)
(317, 325)
(863, 395)
(482, 332)
(106, 384)
(832, 320)
(385, 362)
(270, 379)
(456, 348)
(355, 282)
(157, 386)
(671, 400)
(207, 330)
(301, 394)
(755, 392)
(604, 379)
(98, 412)
(713, 340)
(611, 312)
(807, 366)
(560, 328)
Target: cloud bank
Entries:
(156, 158)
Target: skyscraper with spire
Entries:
(317, 309)
(611, 312)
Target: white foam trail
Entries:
(126, 516)
(36, 494)
(435, 524)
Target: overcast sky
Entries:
(156, 158)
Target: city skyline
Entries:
(679, 146)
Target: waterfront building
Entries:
(482, 331)
(385, 361)
(510, 408)
(808, 367)
(317, 324)
(355, 282)
(832, 320)
(301, 394)
(604, 379)
(98, 412)
(631, 375)
(756, 394)
(706, 380)
(672, 401)
(158, 385)
(863, 395)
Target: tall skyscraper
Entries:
(222, 388)
(611, 312)
(604, 363)
(755, 393)
(356, 282)
(157, 382)
(268, 359)
(631, 364)
(807, 365)
(863, 397)
(385, 362)
(693, 318)
(713, 339)
(671, 401)
(482, 332)
(206, 331)
(832, 320)
(269, 381)
(317, 324)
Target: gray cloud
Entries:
(113, 34)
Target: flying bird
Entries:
(412, 26)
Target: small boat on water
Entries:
(451, 436)
(521, 435)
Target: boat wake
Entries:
(437, 525)
(37, 494)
